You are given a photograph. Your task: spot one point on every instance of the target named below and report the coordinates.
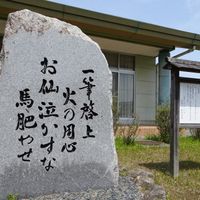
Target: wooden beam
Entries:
(174, 144)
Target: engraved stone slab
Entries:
(56, 119)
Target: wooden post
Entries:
(174, 148)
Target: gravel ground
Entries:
(126, 190)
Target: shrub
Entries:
(195, 133)
(163, 122)
(129, 132)
(12, 197)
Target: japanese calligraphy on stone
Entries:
(56, 117)
(47, 109)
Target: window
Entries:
(122, 67)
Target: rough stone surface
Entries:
(156, 193)
(126, 190)
(148, 189)
(138, 185)
(29, 39)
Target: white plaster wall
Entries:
(145, 88)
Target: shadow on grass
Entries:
(164, 166)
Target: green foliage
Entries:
(153, 137)
(12, 197)
(163, 122)
(129, 132)
(195, 133)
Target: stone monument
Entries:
(56, 118)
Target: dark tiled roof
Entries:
(182, 65)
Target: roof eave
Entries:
(108, 26)
(182, 65)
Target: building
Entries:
(131, 48)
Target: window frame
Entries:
(119, 71)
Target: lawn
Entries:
(156, 160)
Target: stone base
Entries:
(30, 181)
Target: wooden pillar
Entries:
(174, 147)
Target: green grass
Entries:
(156, 160)
(153, 137)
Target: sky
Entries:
(178, 14)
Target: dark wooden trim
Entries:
(171, 66)
(189, 80)
(189, 125)
(174, 148)
(175, 111)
